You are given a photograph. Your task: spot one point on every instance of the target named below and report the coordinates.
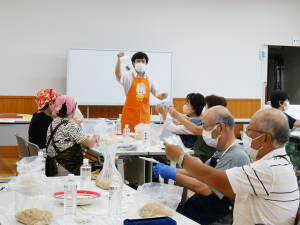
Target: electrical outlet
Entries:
(296, 41)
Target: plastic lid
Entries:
(85, 161)
(116, 178)
(71, 176)
(126, 126)
(40, 153)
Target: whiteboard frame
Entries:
(130, 50)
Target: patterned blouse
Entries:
(67, 135)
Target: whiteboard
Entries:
(91, 78)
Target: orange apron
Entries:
(137, 107)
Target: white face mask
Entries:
(247, 142)
(286, 108)
(140, 67)
(53, 113)
(203, 110)
(208, 138)
(187, 110)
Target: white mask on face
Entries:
(247, 141)
(203, 110)
(208, 138)
(286, 108)
(140, 67)
(187, 110)
(53, 113)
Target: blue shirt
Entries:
(197, 120)
(291, 120)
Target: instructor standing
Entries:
(137, 87)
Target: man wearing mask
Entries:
(266, 191)
(42, 119)
(137, 87)
(281, 100)
(209, 205)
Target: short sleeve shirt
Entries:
(235, 156)
(291, 121)
(271, 187)
(67, 135)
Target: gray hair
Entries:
(225, 118)
(277, 129)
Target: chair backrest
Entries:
(22, 146)
(33, 148)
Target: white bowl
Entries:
(83, 197)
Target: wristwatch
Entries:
(180, 160)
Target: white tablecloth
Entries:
(97, 211)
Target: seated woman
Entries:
(42, 119)
(64, 138)
(280, 100)
(192, 111)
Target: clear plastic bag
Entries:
(89, 126)
(29, 165)
(34, 192)
(156, 130)
(109, 169)
(78, 115)
(139, 131)
(126, 63)
(151, 196)
(176, 140)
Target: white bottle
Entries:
(115, 198)
(147, 137)
(85, 175)
(41, 155)
(126, 135)
(118, 127)
(70, 201)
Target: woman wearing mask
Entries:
(280, 100)
(137, 87)
(64, 138)
(42, 119)
(192, 111)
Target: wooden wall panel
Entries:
(239, 108)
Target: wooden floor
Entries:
(9, 166)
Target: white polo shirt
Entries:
(266, 190)
(126, 81)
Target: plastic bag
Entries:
(126, 63)
(29, 165)
(78, 115)
(89, 125)
(176, 140)
(34, 193)
(150, 194)
(156, 130)
(139, 131)
(109, 169)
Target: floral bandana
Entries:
(44, 97)
(69, 100)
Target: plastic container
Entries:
(85, 175)
(147, 137)
(41, 155)
(70, 201)
(115, 198)
(126, 135)
(118, 127)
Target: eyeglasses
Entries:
(258, 131)
(205, 127)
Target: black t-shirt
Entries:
(38, 129)
(291, 121)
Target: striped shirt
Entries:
(266, 191)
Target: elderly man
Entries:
(209, 205)
(266, 191)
